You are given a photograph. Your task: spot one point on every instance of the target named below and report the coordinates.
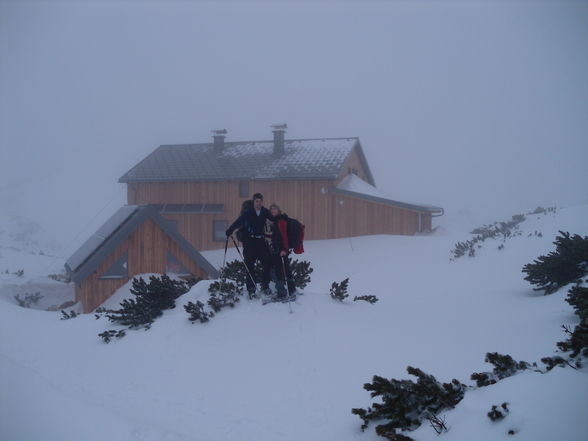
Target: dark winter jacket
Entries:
(251, 223)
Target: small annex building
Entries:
(135, 240)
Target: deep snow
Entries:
(258, 373)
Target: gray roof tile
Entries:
(302, 159)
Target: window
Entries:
(192, 208)
(174, 266)
(218, 230)
(213, 208)
(243, 189)
(119, 269)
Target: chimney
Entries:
(219, 139)
(278, 131)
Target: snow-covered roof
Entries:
(120, 226)
(353, 185)
(250, 160)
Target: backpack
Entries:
(295, 235)
(247, 205)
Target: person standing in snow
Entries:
(277, 238)
(252, 222)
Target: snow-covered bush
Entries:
(577, 342)
(235, 271)
(497, 230)
(66, 316)
(151, 299)
(405, 403)
(578, 298)
(28, 299)
(338, 291)
(370, 299)
(498, 413)
(567, 264)
(504, 366)
(60, 277)
(223, 293)
(107, 336)
(301, 271)
(544, 211)
(197, 312)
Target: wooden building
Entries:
(135, 240)
(326, 183)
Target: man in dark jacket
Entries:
(252, 222)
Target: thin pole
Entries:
(225, 258)
(286, 283)
(243, 259)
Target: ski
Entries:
(265, 301)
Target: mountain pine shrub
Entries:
(504, 366)
(370, 299)
(197, 312)
(301, 271)
(28, 299)
(406, 403)
(223, 293)
(338, 291)
(578, 298)
(498, 413)
(151, 299)
(567, 264)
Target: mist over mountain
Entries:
(478, 107)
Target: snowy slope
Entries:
(258, 373)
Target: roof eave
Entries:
(419, 208)
(331, 177)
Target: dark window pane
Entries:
(243, 189)
(213, 208)
(193, 208)
(119, 269)
(174, 266)
(173, 208)
(218, 230)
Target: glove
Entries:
(229, 232)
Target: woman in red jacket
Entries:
(279, 251)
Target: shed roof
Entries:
(115, 230)
(354, 186)
(248, 160)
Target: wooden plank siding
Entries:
(147, 250)
(307, 200)
(326, 215)
(358, 217)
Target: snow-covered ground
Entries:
(259, 373)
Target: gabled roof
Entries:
(115, 230)
(247, 160)
(356, 187)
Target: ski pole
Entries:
(225, 258)
(286, 283)
(243, 259)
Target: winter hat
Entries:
(258, 196)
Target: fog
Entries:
(477, 107)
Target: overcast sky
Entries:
(477, 106)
